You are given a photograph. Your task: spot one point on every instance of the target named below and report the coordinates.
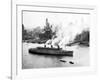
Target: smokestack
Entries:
(51, 46)
(44, 45)
(58, 46)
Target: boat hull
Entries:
(50, 51)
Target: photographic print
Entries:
(52, 39)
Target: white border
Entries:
(17, 71)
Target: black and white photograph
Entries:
(53, 39)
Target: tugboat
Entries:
(51, 51)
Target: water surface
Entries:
(29, 61)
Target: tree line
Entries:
(38, 35)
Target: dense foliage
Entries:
(37, 34)
(81, 39)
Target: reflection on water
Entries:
(80, 58)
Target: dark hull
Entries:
(50, 51)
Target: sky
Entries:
(35, 19)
